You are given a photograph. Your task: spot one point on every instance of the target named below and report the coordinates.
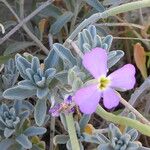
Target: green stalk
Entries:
(72, 132)
(110, 12)
(143, 128)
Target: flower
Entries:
(65, 106)
(96, 63)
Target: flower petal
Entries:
(110, 98)
(123, 78)
(88, 98)
(96, 62)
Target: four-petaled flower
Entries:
(96, 63)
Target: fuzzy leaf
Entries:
(40, 111)
(33, 131)
(24, 141)
(6, 143)
(18, 93)
(64, 53)
(60, 22)
(140, 59)
(95, 4)
(61, 139)
(17, 46)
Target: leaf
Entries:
(6, 143)
(113, 60)
(60, 22)
(33, 131)
(24, 141)
(64, 53)
(4, 59)
(17, 46)
(50, 10)
(18, 93)
(8, 132)
(60, 139)
(140, 59)
(40, 111)
(96, 5)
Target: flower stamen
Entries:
(104, 82)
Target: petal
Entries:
(96, 62)
(88, 98)
(110, 98)
(123, 78)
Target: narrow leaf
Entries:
(24, 141)
(17, 46)
(40, 111)
(60, 22)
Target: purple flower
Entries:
(65, 107)
(96, 63)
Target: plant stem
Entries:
(132, 109)
(143, 128)
(72, 132)
(111, 12)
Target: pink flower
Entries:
(96, 63)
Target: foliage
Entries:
(32, 82)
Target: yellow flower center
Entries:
(104, 82)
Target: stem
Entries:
(143, 128)
(132, 109)
(111, 12)
(72, 132)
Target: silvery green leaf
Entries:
(35, 65)
(90, 138)
(143, 148)
(84, 121)
(49, 73)
(18, 93)
(27, 105)
(63, 120)
(51, 60)
(80, 41)
(17, 46)
(104, 46)
(24, 141)
(33, 131)
(62, 77)
(87, 37)
(71, 76)
(92, 30)
(102, 138)
(86, 47)
(108, 40)
(111, 54)
(60, 139)
(104, 147)
(27, 84)
(77, 83)
(40, 111)
(64, 53)
(115, 132)
(95, 4)
(116, 58)
(133, 133)
(133, 145)
(6, 143)
(98, 41)
(8, 132)
(42, 92)
(60, 22)
(50, 10)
